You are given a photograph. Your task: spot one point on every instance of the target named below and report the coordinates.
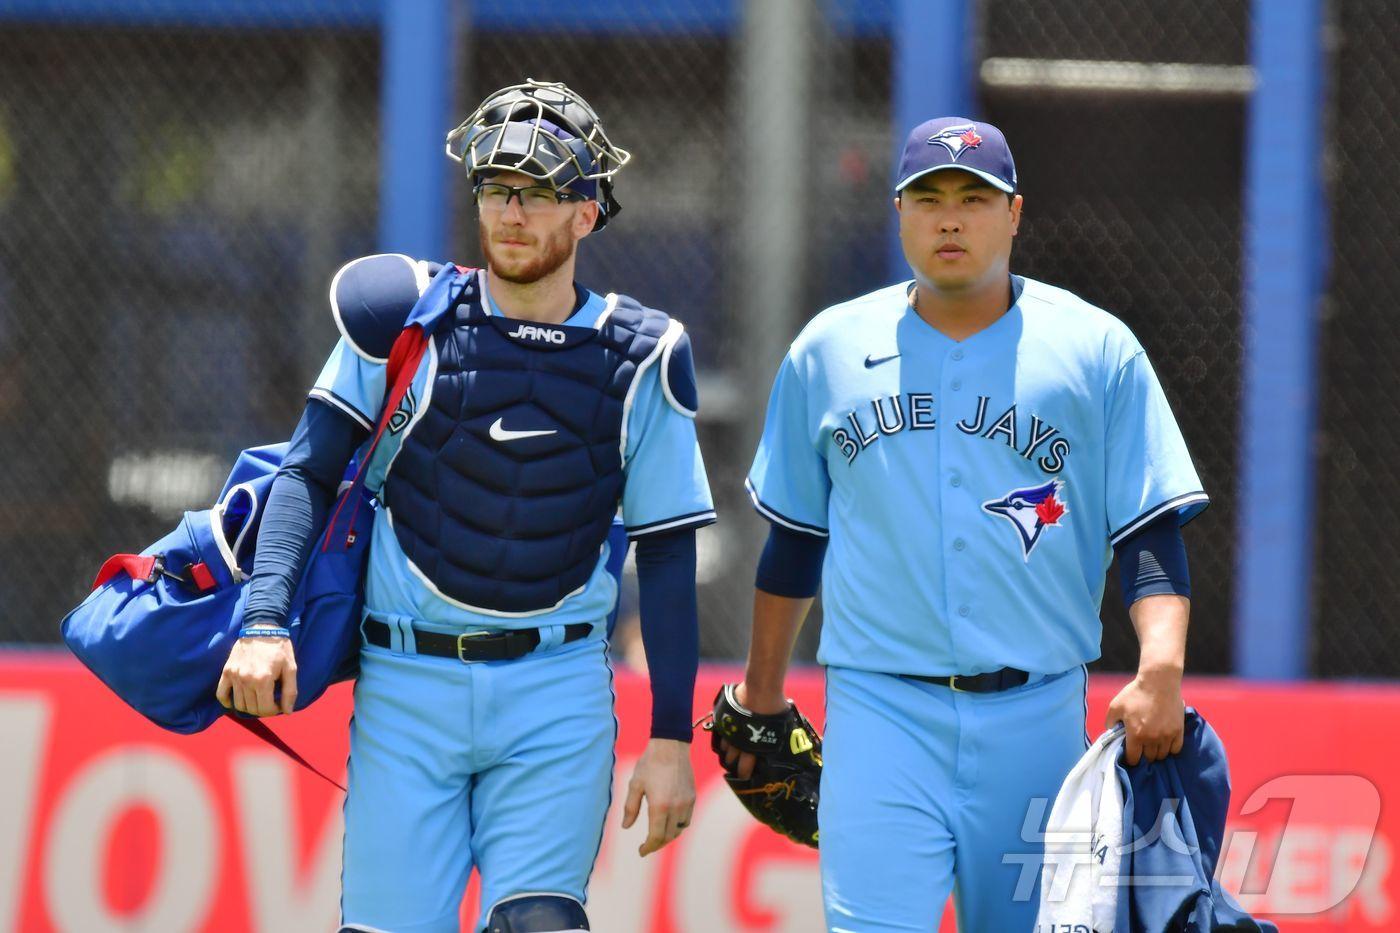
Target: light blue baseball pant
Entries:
(927, 791)
(505, 766)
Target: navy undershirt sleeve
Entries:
(670, 628)
(1153, 561)
(791, 563)
(295, 513)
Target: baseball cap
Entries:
(957, 142)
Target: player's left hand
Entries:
(663, 776)
(1153, 717)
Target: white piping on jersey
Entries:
(1084, 670)
(609, 306)
(361, 927)
(1151, 515)
(419, 277)
(228, 552)
(774, 517)
(673, 332)
(681, 522)
(666, 374)
(330, 399)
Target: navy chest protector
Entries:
(506, 484)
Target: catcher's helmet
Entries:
(547, 132)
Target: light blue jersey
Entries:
(972, 490)
(665, 487)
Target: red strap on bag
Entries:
(404, 358)
(133, 565)
(147, 568)
(262, 731)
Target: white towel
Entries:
(1083, 843)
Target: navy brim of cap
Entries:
(988, 177)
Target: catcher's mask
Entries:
(545, 131)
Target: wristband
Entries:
(264, 631)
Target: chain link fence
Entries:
(1356, 588)
(174, 200)
(1133, 201)
(207, 183)
(171, 201)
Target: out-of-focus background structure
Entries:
(179, 179)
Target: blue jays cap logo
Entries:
(957, 139)
(1030, 511)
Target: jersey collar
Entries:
(587, 305)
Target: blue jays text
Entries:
(915, 411)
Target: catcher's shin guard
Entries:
(782, 791)
(537, 913)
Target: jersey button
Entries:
(955, 480)
(957, 354)
(964, 611)
(959, 544)
(957, 384)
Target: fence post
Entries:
(419, 37)
(934, 61)
(1285, 258)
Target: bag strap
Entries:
(403, 363)
(404, 359)
(136, 566)
(407, 353)
(146, 567)
(262, 731)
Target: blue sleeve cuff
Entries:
(791, 563)
(1152, 561)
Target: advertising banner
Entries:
(108, 823)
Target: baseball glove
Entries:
(782, 791)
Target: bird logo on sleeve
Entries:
(1030, 510)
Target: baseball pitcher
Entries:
(956, 459)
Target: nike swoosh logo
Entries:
(499, 433)
(871, 362)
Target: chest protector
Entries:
(505, 486)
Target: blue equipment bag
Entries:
(158, 626)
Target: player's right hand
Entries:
(256, 667)
(741, 763)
